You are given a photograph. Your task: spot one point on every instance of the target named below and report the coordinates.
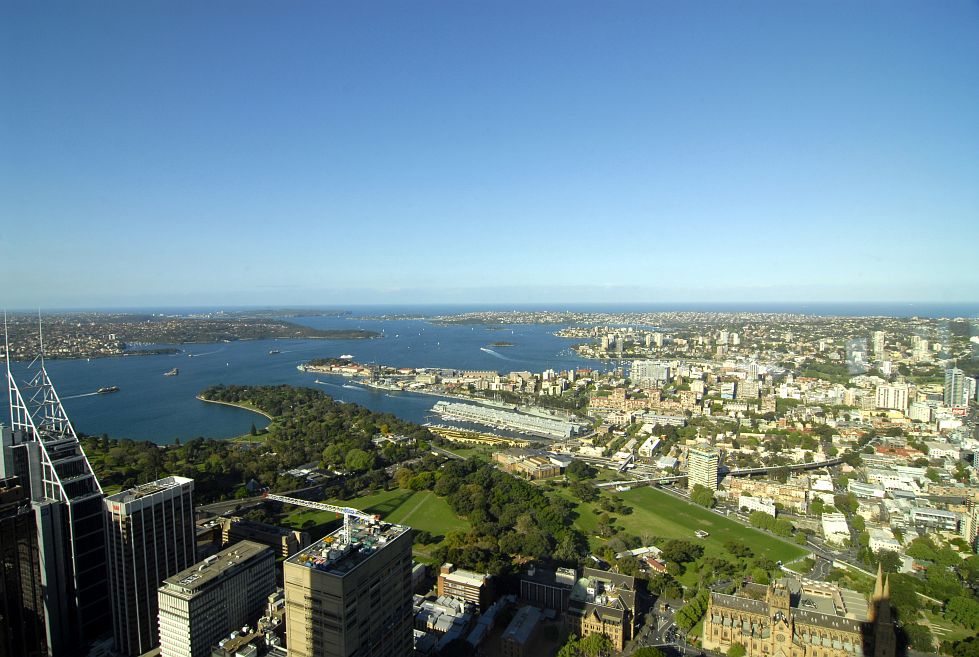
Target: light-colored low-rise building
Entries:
(762, 504)
(835, 528)
(883, 539)
(465, 585)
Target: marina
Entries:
(507, 419)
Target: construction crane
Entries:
(349, 513)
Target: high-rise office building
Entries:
(702, 466)
(350, 594)
(204, 603)
(22, 632)
(41, 448)
(150, 536)
(955, 388)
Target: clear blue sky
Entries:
(365, 152)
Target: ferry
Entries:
(108, 389)
(173, 372)
(346, 357)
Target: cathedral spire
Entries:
(879, 584)
(877, 596)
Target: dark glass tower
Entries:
(21, 601)
(41, 448)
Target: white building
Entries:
(920, 411)
(893, 397)
(883, 539)
(835, 529)
(702, 466)
(649, 372)
(938, 450)
(648, 447)
(763, 504)
(956, 394)
(201, 605)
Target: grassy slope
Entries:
(662, 514)
(421, 510)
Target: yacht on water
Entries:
(173, 372)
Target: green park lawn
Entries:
(422, 510)
(660, 514)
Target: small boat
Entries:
(173, 372)
(103, 391)
(273, 352)
(346, 357)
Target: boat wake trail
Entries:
(206, 353)
(84, 394)
(499, 355)
(326, 383)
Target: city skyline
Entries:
(199, 154)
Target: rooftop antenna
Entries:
(40, 336)
(6, 359)
(20, 416)
(49, 415)
(6, 342)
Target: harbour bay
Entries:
(161, 409)
(151, 406)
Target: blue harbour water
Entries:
(150, 406)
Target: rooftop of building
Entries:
(561, 577)
(812, 603)
(610, 591)
(522, 625)
(189, 581)
(466, 577)
(151, 488)
(338, 554)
